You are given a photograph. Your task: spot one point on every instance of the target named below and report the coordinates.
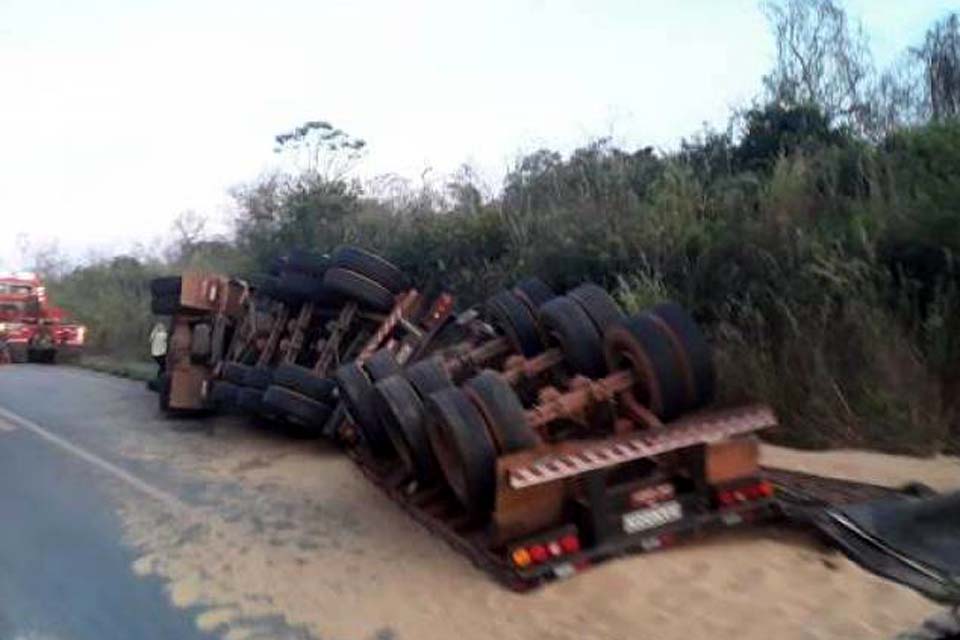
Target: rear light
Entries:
(745, 493)
(544, 550)
(521, 558)
(538, 553)
(570, 544)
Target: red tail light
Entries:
(570, 544)
(538, 553)
(544, 550)
(745, 493)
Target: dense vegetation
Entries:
(815, 239)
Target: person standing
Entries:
(158, 346)
(5, 357)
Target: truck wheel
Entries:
(599, 305)
(359, 287)
(516, 322)
(258, 377)
(568, 325)
(305, 287)
(200, 343)
(463, 448)
(401, 413)
(224, 394)
(502, 411)
(18, 353)
(234, 372)
(269, 286)
(297, 407)
(355, 389)
(637, 343)
(382, 364)
(41, 356)
(370, 265)
(250, 400)
(428, 376)
(534, 292)
(695, 352)
(306, 262)
(166, 305)
(166, 286)
(304, 381)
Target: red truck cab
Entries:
(33, 329)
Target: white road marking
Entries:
(7, 426)
(168, 499)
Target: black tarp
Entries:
(915, 541)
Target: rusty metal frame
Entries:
(279, 326)
(329, 350)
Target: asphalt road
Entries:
(65, 573)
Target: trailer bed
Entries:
(437, 510)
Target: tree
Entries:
(775, 130)
(188, 230)
(940, 55)
(320, 148)
(897, 98)
(821, 59)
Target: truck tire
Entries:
(696, 354)
(291, 290)
(223, 394)
(295, 406)
(401, 413)
(234, 372)
(428, 376)
(370, 265)
(250, 400)
(381, 364)
(355, 391)
(200, 343)
(18, 353)
(516, 322)
(258, 377)
(599, 305)
(568, 325)
(463, 448)
(166, 305)
(41, 356)
(307, 288)
(359, 287)
(166, 286)
(638, 343)
(534, 292)
(306, 262)
(303, 381)
(502, 412)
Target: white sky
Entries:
(117, 115)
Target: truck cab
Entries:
(35, 330)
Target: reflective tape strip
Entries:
(679, 435)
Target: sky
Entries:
(118, 115)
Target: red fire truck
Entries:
(34, 330)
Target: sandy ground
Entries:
(289, 529)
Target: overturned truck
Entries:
(538, 434)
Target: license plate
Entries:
(652, 517)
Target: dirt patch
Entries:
(293, 531)
(940, 472)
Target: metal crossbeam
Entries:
(681, 434)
